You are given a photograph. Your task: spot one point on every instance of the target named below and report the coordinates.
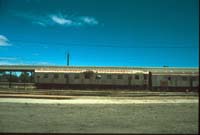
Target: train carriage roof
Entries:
(100, 69)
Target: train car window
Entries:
(169, 78)
(87, 76)
(66, 76)
(76, 76)
(194, 78)
(55, 76)
(46, 75)
(137, 77)
(109, 76)
(184, 78)
(98, 77)
(119, 76)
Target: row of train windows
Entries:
(184, 78)
(77, 76)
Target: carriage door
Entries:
(66, 78)
(191, 83)
(129, 80)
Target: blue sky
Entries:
(100, 32)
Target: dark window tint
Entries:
(184, 78)
(87, 76)
(109, 76)
(46, 76)
(76, 76)
(194, 78)
(38, 76)
(66, 76)
(55, 76)
(169, 78)
(137, 77)
(119, 76)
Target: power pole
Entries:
(68, 59)
(10, 79)
(150, 81)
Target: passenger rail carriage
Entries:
(71, 77)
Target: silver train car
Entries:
(74, 77)
(135, 79)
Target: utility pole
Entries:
(68, 59)
(150, 81)
(10, 79)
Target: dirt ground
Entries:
(102, 93)
(99, 118)
(100, 100)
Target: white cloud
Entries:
(73, 21)
(64, 20)
(4, 41)
(89, 20)
(61, 19)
